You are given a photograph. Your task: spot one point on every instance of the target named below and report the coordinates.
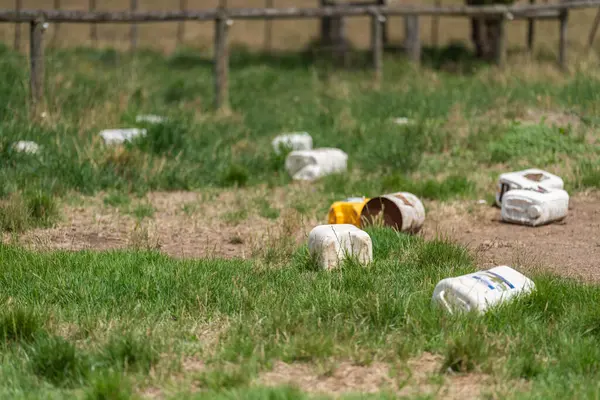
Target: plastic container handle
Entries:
(444, 302)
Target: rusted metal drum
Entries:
(402, 211)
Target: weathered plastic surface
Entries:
(118, 136)
(534, 208)
(310, 165)
(529, 179)
(347, 211)
(25, 146)
(402, 121)
(331, 244)
(402, 211)
(292, 141)
(481, 290)
(150, 119)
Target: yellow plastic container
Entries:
(347, 211)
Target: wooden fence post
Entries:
(377, 45)
(93, 26)
(562, 49)
(18, 7)
(36, 59)
(340, 44)
(181, 25)
(412, 40)
(56, 26)
(134, 28)
(221, 63)
(500, 49)
(268, 29)
(384, 25)
(530, 32)
(594, 30)
(435, 26)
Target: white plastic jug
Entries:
(118, 136)
(331, 244)
(26, 146)
(150, 118)
(310, 165)
(292, 141)
(481, 290)
(402, 121)
(527, 179)
(402, 211)
(535, 207)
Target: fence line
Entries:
(496, 11)
(18, 6)
(181, 25)
(223, 19)
(93, 26)
(134, 28)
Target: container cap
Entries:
(534, 212)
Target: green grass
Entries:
(117, 199)
(265, 209)
(110, 325)
(126, 308)
(18, 324)
(58, 361)
(142, 211)
(131, 353)
(21, 211)
(235, 217)
(197, 148)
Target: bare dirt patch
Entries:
(569, 248)
(549, 118)
(418, 376)
(185, 224)
(193, 225)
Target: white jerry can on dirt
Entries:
(481, 290)
(402, 211)
(526, 179)
(310, 165)
(331, 244)
(292, 141)
(118, 136)
(535, 207)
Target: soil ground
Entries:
(187, 225)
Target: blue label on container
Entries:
(489, 278)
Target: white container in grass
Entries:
(329, 245)
(402, 121)
(310, 165)
(26, 146)
(529, 179)
(119, 136)
(150, 119)
(481, 290)
(292, 141)
(535, 207)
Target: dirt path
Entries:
(187, 225)
(569, 248)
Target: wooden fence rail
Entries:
(223, 18)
